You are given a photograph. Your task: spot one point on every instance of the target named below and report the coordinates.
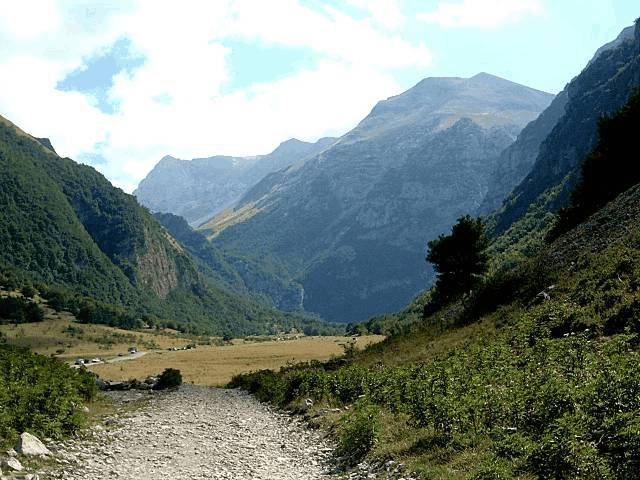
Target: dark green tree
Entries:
(170, 378)
(460, 259)
(608, 170)
(28, 291)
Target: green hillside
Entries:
(63, 224)
(532, 375)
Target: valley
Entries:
(202, 360)
(444, 286)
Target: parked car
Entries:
(80, 361)
(133, 350)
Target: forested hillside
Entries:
(63, 224)
(601, 88)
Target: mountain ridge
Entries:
(367, 196)
(602, 87)
(201, 187)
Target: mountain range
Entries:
(337, 227)
(200, 188)
(350, 224)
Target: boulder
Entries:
(13, 464)
(305, 405)
(30, 445)
(12, 453)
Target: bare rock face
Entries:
(31, 445)
(157, 269)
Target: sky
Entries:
(119, 84)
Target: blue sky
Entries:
(120, 84)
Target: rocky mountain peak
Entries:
(424, 154)
(436, 103)
(626, 34)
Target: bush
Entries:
(359, 431)
(40, 394)
(28, 291)
(266, 385)
(170, 378)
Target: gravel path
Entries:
(198, 433)
(126, 358)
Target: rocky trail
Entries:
(196, 433)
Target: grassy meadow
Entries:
(62, 336)
(216, 365)
(212, 362)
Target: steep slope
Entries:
(64, 224)
(601, 89)
(351, 224)
(198, 189)
(262, 279)
(533, 375)
(515, 161)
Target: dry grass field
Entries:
(207, 364)
(215, 365)
(60, 335)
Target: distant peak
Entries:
(486, 76)
(292, 142)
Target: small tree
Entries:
(170, 378)
(460, 258)
(28, 291)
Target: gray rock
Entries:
(13, 464)
(198, 189)
(305, 405)
(30, 445)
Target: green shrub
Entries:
(170, 378)
(493, 469)
(358, 431)
(40, 394)
(28, 291)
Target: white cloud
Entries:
(329, 32)
(481, 13)
(187, 65)
(386, 13)
(19, 19)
